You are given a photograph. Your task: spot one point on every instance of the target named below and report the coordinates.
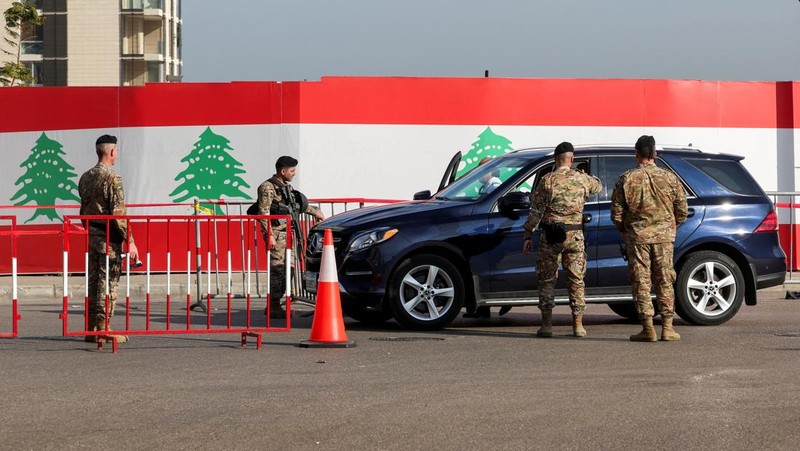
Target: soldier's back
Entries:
(569, 190)
(94, 189)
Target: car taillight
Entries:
(769, 224)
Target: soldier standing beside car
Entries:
(557, 204)
(276, 197)
(647, 206)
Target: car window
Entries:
(728, 173)
(483, 179)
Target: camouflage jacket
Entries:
(101, 192)
(267, 195)
(559, 197)
(648, 204)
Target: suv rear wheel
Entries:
(709, 289)
(426, 292)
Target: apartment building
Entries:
(103, 42)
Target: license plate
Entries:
(310, 281)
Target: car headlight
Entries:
(369, 238)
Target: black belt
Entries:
(567, 227)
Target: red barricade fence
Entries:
(165, 236)
(10, 322)
(42, 251)
(214, 246)
(786, 205)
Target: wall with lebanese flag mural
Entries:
(376, 137)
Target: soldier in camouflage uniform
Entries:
(647, 206)
(558, 199)
(101, 193)
(273, 199)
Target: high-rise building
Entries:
(102, 42)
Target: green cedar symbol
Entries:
(489, 144)
(47, 178)
(211, 173)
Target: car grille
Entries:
(315, 240)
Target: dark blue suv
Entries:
(421, 262)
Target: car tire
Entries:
(709, 289)
(426, 292)
(368, 317)
(626, 310)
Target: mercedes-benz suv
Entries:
(421, 262)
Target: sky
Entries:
(286, 40)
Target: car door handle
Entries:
(690, 213)
(587, 218)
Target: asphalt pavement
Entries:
(479, 384)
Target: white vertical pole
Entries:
(248, 271)
(168, 274)
(148, 273)
(85, 271)
(269, 270)
(108, 266)
(128, 275)
(288, 272)
(229, 271)
(14, 278)
(188, 271)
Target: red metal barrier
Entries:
(42, 255)
(239, 314)
(11, 321)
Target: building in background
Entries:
(103, 42)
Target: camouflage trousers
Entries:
(97, 278)
(651, 264)
(277, 268)
(571, 254)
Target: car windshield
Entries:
(482, 180)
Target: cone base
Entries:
(327, 344)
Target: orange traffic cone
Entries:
(327, 330)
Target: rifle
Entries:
(294, 210)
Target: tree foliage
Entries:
(18, 15)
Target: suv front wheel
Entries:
(709, 289)
(426, 292)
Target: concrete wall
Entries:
(93, 47)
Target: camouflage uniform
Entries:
(268, 195)
(560, 197)
(101, 193)
(648, 204)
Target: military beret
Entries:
(106, 139)
(286, 162)
(564, 148)
(645, 141)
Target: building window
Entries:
(154, 72)
(36, 72)
(138, 5)
(31, 41)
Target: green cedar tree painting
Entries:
(211, 172)
(47, 178)
(489, 144)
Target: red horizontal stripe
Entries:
(69, 108)
(427, 101)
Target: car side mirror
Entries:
(422, 195)
(515, 200)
